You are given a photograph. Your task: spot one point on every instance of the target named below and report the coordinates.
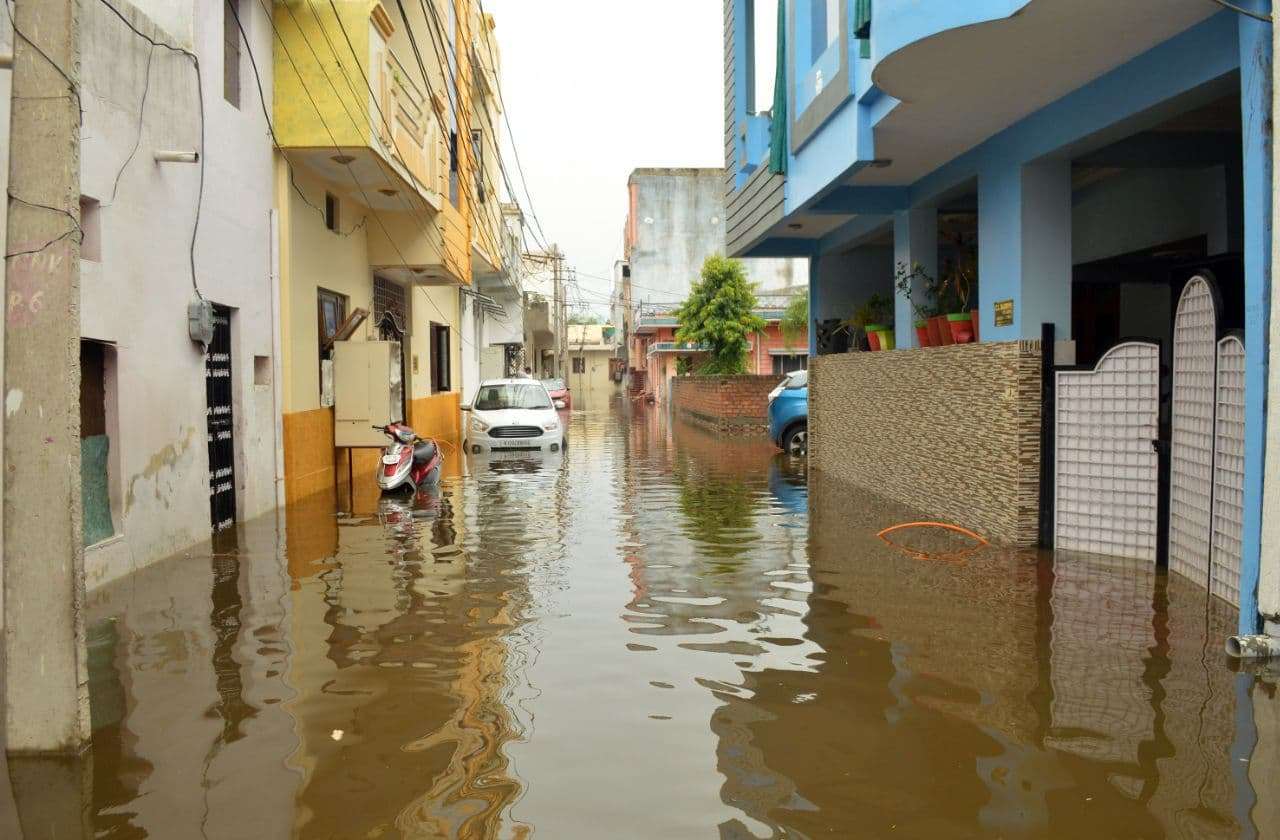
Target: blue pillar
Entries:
(1024, 247)
(915, 240)
(1255, 112)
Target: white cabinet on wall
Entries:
(368, 391)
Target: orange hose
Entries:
(942, 525)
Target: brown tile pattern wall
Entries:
(727, 404)
(952, 431)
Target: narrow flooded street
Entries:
(659, 634)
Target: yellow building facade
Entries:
(381, 192)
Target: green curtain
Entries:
(862, 26)
(778, 124)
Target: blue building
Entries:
(1103, 171)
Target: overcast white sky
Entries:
(597, 88)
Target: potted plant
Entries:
(961, 275)
(870, 318)
(880, 310)
(906, 280)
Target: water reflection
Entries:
(660, 633)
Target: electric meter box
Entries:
(368, 391)
(200, 321)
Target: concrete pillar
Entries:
(815, 305)
(915, 240)
(1269, 575)
(1024, 248)
(47, 704)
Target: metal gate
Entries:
(1106, 481)
(1195, 335)
(1228, 472)
(221, 423)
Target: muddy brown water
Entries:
(660, 634)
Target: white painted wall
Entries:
(679, 222)
(136, 296)
(472, 326)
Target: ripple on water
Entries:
(475, 647)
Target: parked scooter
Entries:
(408, 462)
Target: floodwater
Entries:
(659, 634)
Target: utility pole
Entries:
(47, 702)
(559, 302)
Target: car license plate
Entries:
(508, 444)
(513, 455)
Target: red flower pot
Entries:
(961, 325)
(944, 330)
(873, 341)
(973, 317)
(935, 335)
(922, 334)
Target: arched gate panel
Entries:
(1106, 482)
(1195, 336)
(1228, 472)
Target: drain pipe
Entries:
(1262, 646)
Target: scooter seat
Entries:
(424, 451)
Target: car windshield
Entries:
(554, 384)
(799, 379)
(500, 397)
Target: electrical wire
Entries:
(359, 186)
(195, 61)
(438, 30)
(345, 109)
(437, 34)
(511, 134)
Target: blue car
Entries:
(789, 414)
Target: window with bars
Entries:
(579, 364)
(784, 364)
(440, 358)
(389, 297)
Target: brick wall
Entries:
(950, 431)
(728, 404)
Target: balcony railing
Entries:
(677, 347)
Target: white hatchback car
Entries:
(513, 415)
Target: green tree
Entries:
(719, 314)
(795, 319)
(584, 318)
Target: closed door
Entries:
(221, 423)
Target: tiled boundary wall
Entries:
(727, 404)
(950, 431)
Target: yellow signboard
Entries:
(1004, 313)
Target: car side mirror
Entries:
(465, 407)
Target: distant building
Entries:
(660, 356)
(590, 351)
(676, 219)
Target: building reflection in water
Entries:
(708, 640)
(1013, 695)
